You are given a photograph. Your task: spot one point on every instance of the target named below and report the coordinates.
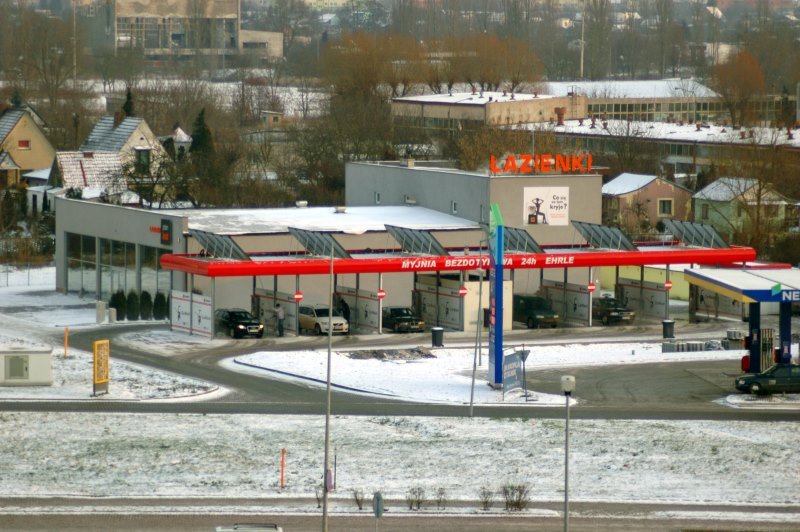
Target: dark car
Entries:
(402, 319)
(534, 311)
(781, 378)
(609, 310)
(237, 323)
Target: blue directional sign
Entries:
(495, 295)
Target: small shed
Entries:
(26, 366)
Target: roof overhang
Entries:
(578, 258)
(750, 286)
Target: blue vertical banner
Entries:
(495, 296)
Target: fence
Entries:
(27, 275)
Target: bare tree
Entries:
(738, 81)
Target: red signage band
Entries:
(203, 266)
(545, 163)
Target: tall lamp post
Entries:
(567, 386)
(327, 478)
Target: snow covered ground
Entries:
(104, 454)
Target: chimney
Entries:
(594, 121)
(88, 154)
(560, 112)
(580, 121)
(741, 134)
(699, 126)
(340, 209)
(301, 204)
(605, 125)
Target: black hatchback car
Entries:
(780, 378)
(402, 319)
(609, 310)
(237, 323)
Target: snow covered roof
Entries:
(626, 183)
(100, 170)
(673, 132)
(7, 161)
(468, 98)
(181, 136)
(658, 88)
(725, 189)
(355, 220)
(41, 174)
(107, 137)
(8, 120)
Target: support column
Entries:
(358, 290)
(785, 331)
(641, 289)
(213, 305)
(98, 272)
(380, 305)
(438, 280)
(566, 303)
(755, 338)
(191, 304)
(666, 302)
(297, 306)
(461, 306)
(138, 270)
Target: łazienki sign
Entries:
(545, 163)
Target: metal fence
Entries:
(27, 274)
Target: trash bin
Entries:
(437, 337)
(668, 328)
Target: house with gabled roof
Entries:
(98, 175)
(730, 204)
(23, 146)
(128, 136)
(637, 202)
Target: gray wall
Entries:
(434, 188)
(113, 222)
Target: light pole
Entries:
(567, 386)
(327, 478)
(475, 356)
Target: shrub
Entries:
(517, 496)
(160, 309)
(415, 498)
(132, 306)
(486, 496)
(358, 497)
(146, 306)
(118, 303)
(441, 498)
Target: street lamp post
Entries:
(567, 386)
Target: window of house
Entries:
(24, 144)
(704, 212)
(377, 198)
(665, 207)
(142, 159)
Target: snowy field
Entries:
(102, 454)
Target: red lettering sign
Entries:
(545, 163)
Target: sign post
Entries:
(102, 353)
(377, 507)
(495, 296)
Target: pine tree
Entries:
(202, 142)
(127, 107)
(16, 98)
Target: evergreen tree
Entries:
(16, 98)
(160, 309)
(202, 142)
(132, 306)
(127, 107)
(146, 305)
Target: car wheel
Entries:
(260, 335)
(755, 388)
(318, 329)
(553, 326)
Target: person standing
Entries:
(280, 314)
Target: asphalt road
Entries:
(683, 390)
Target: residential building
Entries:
(637, 202)
(23, 146)
(128, 136)
(734, 204)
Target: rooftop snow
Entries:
(626, 183)
(355, 220)
(671, 131)
(660, 88)
(467, 98)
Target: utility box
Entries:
(26, 367)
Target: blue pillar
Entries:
(785, 331)
(755, 337)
